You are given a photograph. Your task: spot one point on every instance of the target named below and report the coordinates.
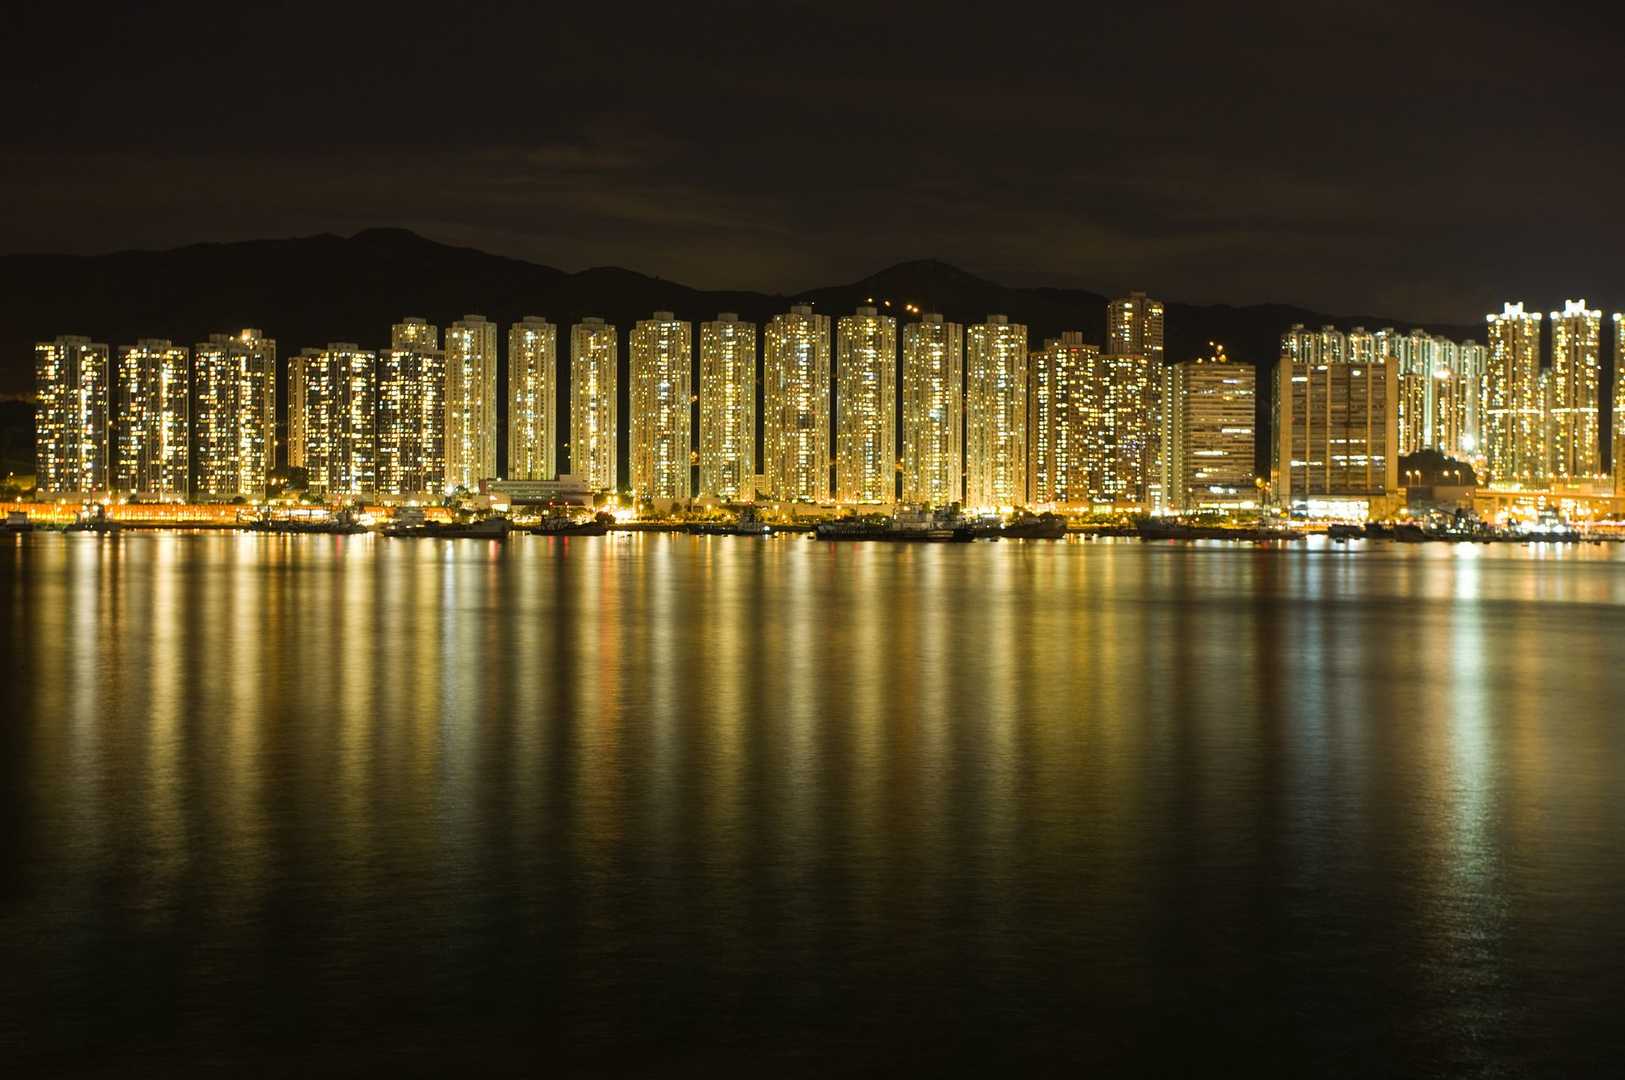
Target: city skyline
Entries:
(1066, 425)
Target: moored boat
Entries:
(1164, 529)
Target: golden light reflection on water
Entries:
(753, 759)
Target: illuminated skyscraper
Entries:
(933, 412)
(1134, 328)
(1327, 345)
(1472, 359)
(1209, 437)
(728, 409)
(1512, 409)
(1574, 394)
(1619, 403)
(662, 408)
(1449, 408)
(996, 414)
(333, 418)
(471, 401)
(412, 414)
(1335, 433)
(1062, 433)
(866, 408)
(152, 456)
(1390, 344)
(1411, 417)
(414, 333)
(234, 415)
(594, 345)
(796, 406)
(1361, 345)
(71, 437)
(533, 373)
(307, 393)
(1122, 407)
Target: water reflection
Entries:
(815, 802)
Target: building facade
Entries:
(471, 401)
(728, 409)
(1134, 328)
(1209, 438)
(412, 415)
(996, 414)
(1060, 435)
(662, 408)
(333, 419)
(72, 441)
(1335, 435)
(594, 456)
(1619, 403)
(796, 407)
(933, 412)
(1574, 394)
(866, 408)
(533, 386)
(152, 452)
(1512, 410)
(233, 416)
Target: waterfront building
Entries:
(72, 384)
(1061, 434)
(594, 457)
(728, 409)
(152, 452)
(307, 412)
(661, 408)
(1472, 360)
(1134, 328)
(796, 406)
(333, 418)
(866, 408)
(1448, 396)
(412, 414)
(233, 416)
(996, 414)
(1412, 417)
(1574, 394)
(1335, 434)
(1512, 409)
(471, 402)
(533, 373)
(1126, 399)
(933, 412)
(1209, 436)
(1619, 403)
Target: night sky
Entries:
(1425, 161)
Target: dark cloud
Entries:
(1422, 159)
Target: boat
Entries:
(918, 527)
(17, 521)
(748, 524)
(1046, 526)
(1343, 533)
(491, 528)
(343, 523)
(94, 520)
(1165, 529)
(1410, 533)
(562, 525)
